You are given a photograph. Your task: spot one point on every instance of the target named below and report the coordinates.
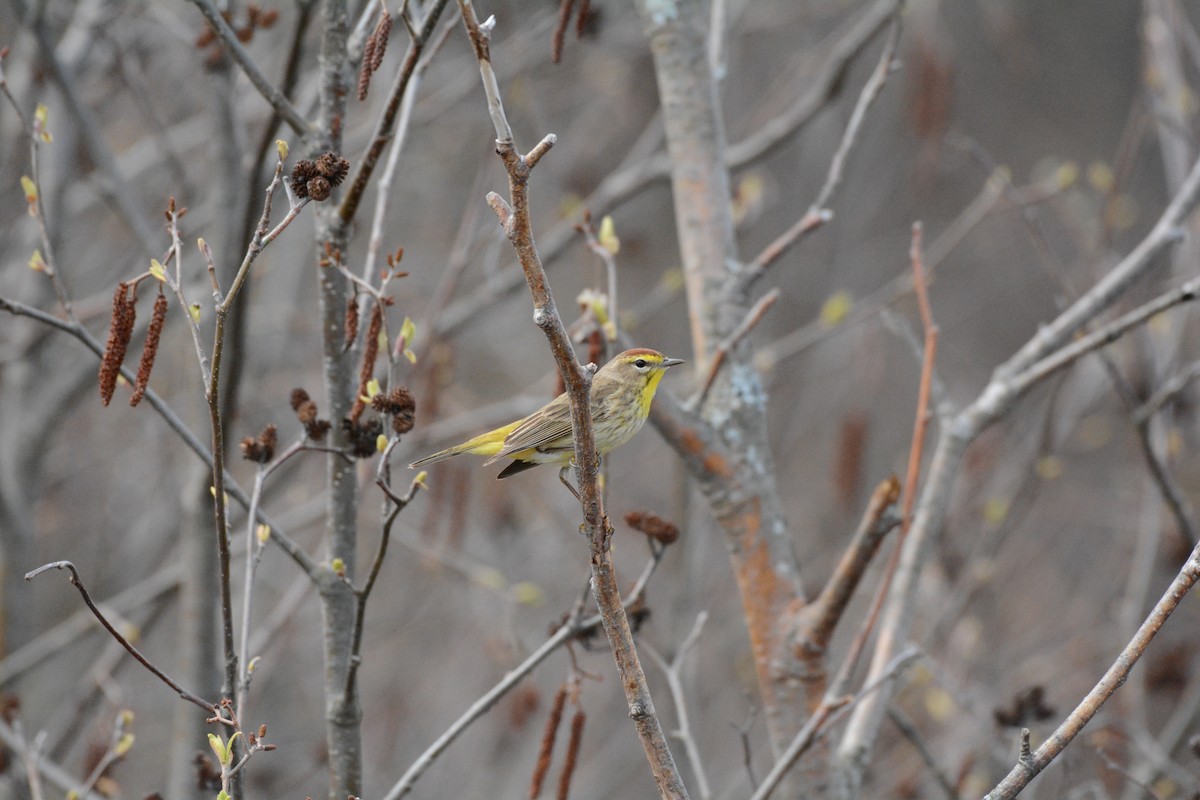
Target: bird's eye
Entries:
(640, 363)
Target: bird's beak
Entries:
(670, 362)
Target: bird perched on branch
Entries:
(621, 395)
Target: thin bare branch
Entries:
(921, 425)
(362, 595)
(564, 634)
(385, 126)
(817, 620)
(819, 213)
(75, 580)
(13, 738)
(828, 711)
(161, 581)
(752, 318)
(675, 682)
(906, 727)
(957, 433)
(515, 218)
(627, 182)
(1104, 335)
(229, 40)
(1027, 769)
(193, 443)
(1170, 389)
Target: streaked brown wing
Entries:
(549, 423)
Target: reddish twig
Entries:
(916, 449)
(930, 353)
(817, 620)
(560, 30)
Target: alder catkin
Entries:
(564, 778)
(150, 348)
(351, 331)
(547, 749)
(120, 331)
(370, 352)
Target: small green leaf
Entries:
(608, 235)
(1049, 468)
(339, 567)
(262, 532)
(157, 270)
(490, 578)
(218, 748)
(528, 593)
(1066, 174)
(995, 510)
(123, 745)
(194, 312)
(223, 795)
(836, 308)
(1101, 177)
(381, 443)
(372, 389)
(31, 193)
(36, 262)
(408, 331)
(40, 123)
(281, 147)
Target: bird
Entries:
(622, 391)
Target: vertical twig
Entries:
(916, 449)
(515, 218)
(675, 683)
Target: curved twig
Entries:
(212, 708)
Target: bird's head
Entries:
(640, 367)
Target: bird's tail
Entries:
(485, 444)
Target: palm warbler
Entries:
(621, 395)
